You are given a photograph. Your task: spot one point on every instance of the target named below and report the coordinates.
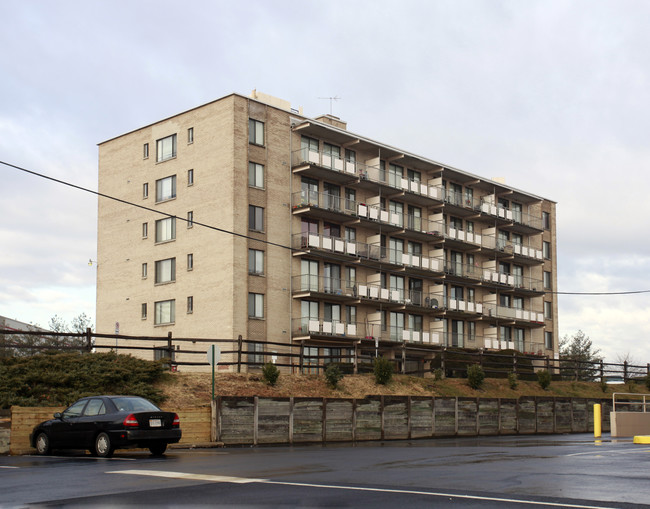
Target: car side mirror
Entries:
(57, 415)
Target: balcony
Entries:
(513, 314)
(319, 328)
(371, 254)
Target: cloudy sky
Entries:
(551, 95)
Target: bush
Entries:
(513, 380)
(438, 374)
(475, 376)
(59, 379)
(647, 382)
(333, 375)
(544, 378)
(603, 386)
(270, 374)
(383, 370)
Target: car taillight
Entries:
(130, 421)
(176, 422)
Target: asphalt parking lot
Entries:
(510, 471)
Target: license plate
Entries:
(155, 423)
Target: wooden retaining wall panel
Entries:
(307, 420)
(396, 417)
(339, 416)
(545, 415)
(563, 415)
(368, 417)
(444, 416)
(488, 416)
(237, 420)
(421, 417)
(467, 413)
(23, 420)
(526, 415)
(583, 416)
(273, 420)
(606, 408)
(508, 417)
(195, 424)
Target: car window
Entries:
(75, 409)
(95, 407)
(127, 404)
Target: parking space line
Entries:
(6, 466)
(603, 452)
(242, 480)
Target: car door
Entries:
(90, 421)
(64, 429)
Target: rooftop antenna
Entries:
(335, 98)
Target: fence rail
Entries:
(407, 358)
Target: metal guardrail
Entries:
(643, 397)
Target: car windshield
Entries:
(132, 404)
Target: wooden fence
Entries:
(407, 358)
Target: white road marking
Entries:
(3, 466)
(602, 452)
(242, 480)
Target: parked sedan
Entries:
(105, 423)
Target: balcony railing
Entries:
(511, 313)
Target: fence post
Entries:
(442, 361)
(170, 349)
(89, 340)
(355, 369)
(403, 359)
(480, 358)
(239, 345)
(302, 355)
(602, 370)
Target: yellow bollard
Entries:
(597, 421)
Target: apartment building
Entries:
(254, 220)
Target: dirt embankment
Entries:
(195, 389)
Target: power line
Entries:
(241, 235)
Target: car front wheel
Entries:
(158, 449)
(103, 446)
(43, 444)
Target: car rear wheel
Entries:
(43, 444)
(158, 449)
(103, 446)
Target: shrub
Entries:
(647, 382)
(333, 375)
(383, 370)
(513, 380)
(544, 378)
(475, 376)
(437, 374)
(270, 373)
(603, 386)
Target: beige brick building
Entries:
(254, 220)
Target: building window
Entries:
(255, 262)
(255, 132)
(190, 136)
(165, 229)
(190, 304)
(145, 151)
(547, 280)
(145, 190)
(546, 250)
(165, 312)
(145, 230)
(144, 271)
(548, 340)
(190, 261)
(190, 219)
(190, 177)
(256, 305)
(143, 311)
(166, 148)
(546, 220)
(255, 175)
(255, 218)
(166, 188)
(548, 310)
(166, 271)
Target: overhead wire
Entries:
(241, 235)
